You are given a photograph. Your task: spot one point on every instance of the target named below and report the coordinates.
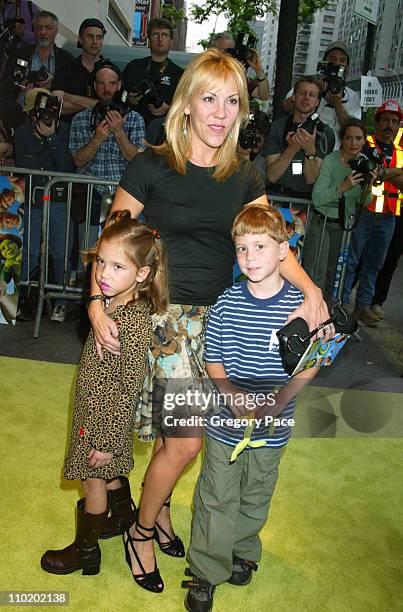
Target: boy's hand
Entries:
(97, 459)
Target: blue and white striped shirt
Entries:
(241, 334)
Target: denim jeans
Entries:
(373, 233)
(57, 239)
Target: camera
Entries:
(151, 90)
(100, 110)
(309, 124)
(249, 137)
(245, 45)
(23, 75)
(8, 38)
(333, 74)
(365, 164)
(47, 109)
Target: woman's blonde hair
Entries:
(143, 246)
(208, 71)
(260, 219)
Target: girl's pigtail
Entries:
(159, 293)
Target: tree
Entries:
(292, 12)
(238, 12)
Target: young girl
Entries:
(131, 273)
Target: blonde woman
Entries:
(190, 189)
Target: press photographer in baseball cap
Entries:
(73, 84)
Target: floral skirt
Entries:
(175, 373)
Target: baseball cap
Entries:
(106, 63)
(337, 44)
(389, 106)
(90, 22)
(30, 96)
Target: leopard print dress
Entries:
(106, 395)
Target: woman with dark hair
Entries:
(336, 182)
(190, 189)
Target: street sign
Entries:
(367, 9)
(371, 91)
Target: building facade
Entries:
(388, 49)
(116, 15)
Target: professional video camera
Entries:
(249, 137)
(333, 75)
(151, 90)
(47, 109)
(365, 164)
(245, 45)
(22, 74)
(100, 110)
(309, 124)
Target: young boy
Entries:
(232, 499)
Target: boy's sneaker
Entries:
(242, 571)
(59, 314)
(378, 311)
(200, 595)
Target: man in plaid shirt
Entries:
(104, 150)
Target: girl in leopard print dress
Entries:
(131, 273)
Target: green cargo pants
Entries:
(231, 504)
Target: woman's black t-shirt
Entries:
(193, 214)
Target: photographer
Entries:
(376, 224)
(19, 19)
(296, 144)
(337, 183)
(334, 108)
(258, 87)
(252, 138)
(42, 144)
(73, 82)
(104, 139)
(151, 81)
(35, 66)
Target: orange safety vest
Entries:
(384, 200)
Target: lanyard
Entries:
(161, 71)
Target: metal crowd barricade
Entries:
(306, 205)
(47, 289)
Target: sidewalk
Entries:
(378, 357)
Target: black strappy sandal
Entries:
(151, 581)
(173, 548)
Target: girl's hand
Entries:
(353, 179)
(105, 330)
(97, 459)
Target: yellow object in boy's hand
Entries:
(246, 441)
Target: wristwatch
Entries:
(310, 156)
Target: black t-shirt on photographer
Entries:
(145, 68)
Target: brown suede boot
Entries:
(123, 510)
(84, 553)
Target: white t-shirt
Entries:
(351, 102)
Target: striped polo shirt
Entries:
(241, 334)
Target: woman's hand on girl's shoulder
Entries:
(105, 330)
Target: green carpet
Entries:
(333, 541)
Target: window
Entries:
(118, 22)
(328, 19)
